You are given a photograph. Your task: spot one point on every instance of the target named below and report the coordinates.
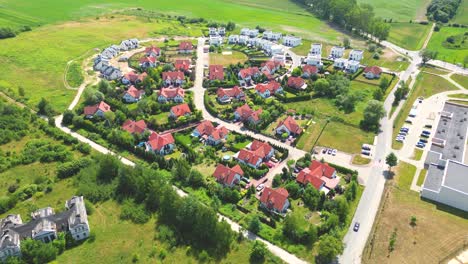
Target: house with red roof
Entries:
(185, 47)
(134, 127)
(133, 78)
(246, 75)
(96, 110)
(372, 72)
(275, 200)
(255, 153)
(255, 118)
(216, 72)
(289, 126)
(309, 70)
(133, 95)
(245, 113)
(226, 95)
(248, 158)
(161, 144)
(269, 89)
(296, 83)
(228, 176)
(148, 62)
(319, 175)
(262, 149)
(182, 65)
(210, 134)
(271, 66)
(153, 51)
(175, 78)
(171, 94)
(180, 110)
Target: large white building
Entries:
(337, 52)
(292, 41)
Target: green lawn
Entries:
(233, 58)
(409, 35)
(388, 59)
(460, 96)
(435, 70)
(421, 177)
(451, 55)
(75, 75)
(399, 10)
(460, 79)
(417, 154)
(462, 13)
(426, 85)
(360, 160)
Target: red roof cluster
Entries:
(175, 75)
(295, 82)
(158, 141)
(134, 126)
(152, 49)
(374, 69)
(314, 173)
(216, 72)
(133, 77)
(272, 65)
(272, 86)
(260, 148)
(232, 92)
(206, 128)
(245, 112)
(311, 70)
(182, 65)
(180, 110)
(185, 45)
(171, 92)
(226, 175)
(91, 110)
(249, 157)
(291, 125)
(134, 92)
(148, 60)
(249, 72)
(274, 199)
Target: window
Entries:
(77, 236)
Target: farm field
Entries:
(462, 13)
(460, 79)
(413, 244)
(410, 36)
(438, 43)
(401, 11)
(229, 57)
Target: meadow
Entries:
(410, 36)
(399, 10)
(460, 79)
(449, 55)
(462, 13)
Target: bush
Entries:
(69, 169)
(133, 212)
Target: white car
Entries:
(334, 152)
(260, 187)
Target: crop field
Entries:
(399, 10)
(409, 35)
(438, 43)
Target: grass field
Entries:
(439, 230)
(75, 75)
(426, 85)
(388, 59)
(460, 96)
(462, 13)
(360, 160)
(225, 60)
(410, 36)
(421, 177)
(449, 55)
(401, 11)
(460, 79)
(435, 70)
(417, 154)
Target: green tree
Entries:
(372, 115)
(391, 160)
(67, 117)
(311, 197)
(346, 43)
(384, 82)
(37, 252)
(428, 55)
(258, 252)
(254, 224)
(342, 208)
(322, 87)
(378, 95)
(44, 107)
(329, 248)
(413, 221)
(21, 91)
(296, 72)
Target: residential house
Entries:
(296, 83)
(243, 112)
(216, 40)
(228, 176)
(337, 52)
(134, 127)
(100, 62)
(248, 158)
(10, 245)
(255, 118)
(133, 95)
(111, 73)
(319, 175)
(133, 78)
(262, 149)
(233, 39)
(316, 49)
(226, 95)
(216, 72)
(276, 50)
(129, 44)
(275, 200)
(372, 72)
(222, 31)
(269, 89)
(314, 60)
(180, 110)
(175, 95)
(340, 63)
(153, 51)
(96, 110)
(271, 66)
(289, 126)
(356, 55)
(243, 40)
(292, 41)
(275, 36)
(211, 135)
(309, 70)
(182, 65)
(352, 66)
(161, 144)
(253, 41)
(185, 47)
(252, 33)
(246, 75)
(148, 62)
(110, 52)
(176, 78)
(212, 31)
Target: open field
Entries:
(439, 230)
(388, 59)
(460, 79)
(426, 85)
(451, 55)
(410, 36)
(360, 160)
(226, 59)
(462, 13)
(435, 70)
(400, 10)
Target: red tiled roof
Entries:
(314, 173)
(244, 111)
(374, 69)
(274, 198)
(216, 72)
(180, 110)
(153, 49)
(175, 75)
(305, 176)
(134, 92)
(272, 64)
(244, 73)
(171, 92)
(322, 168)
(256, 114)
(134, 127)
(226, 175)
(148, 59)
(185, 45)
(248, 157)
(182, 65)
(291, 125)
(295, 82)
(131, 76)
(158, 141)
(272, 86)
(310, 69)
(142, 76)
(207, 128)
(261, 149)
(91, 110)
(232, 92)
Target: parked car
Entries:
(428, 126)
(424, 135)
(274, 159)
(420, 145)
(409, 121)
(324, 151)
(330, 151)
(426, 132)
(423, 140)
(260, 187)
(296, 170)
(366, 147)
(364, 152)
(403, 134)
(399, 139)
(269, 165)
(334, 152)
(356, 226)
(404, 129)
(245, 179)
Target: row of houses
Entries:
(221, 31)
(44, 226)
(102, 61)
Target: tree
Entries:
(293, 189)
(427, 55)
(93, 97)
(276, 180)
(322, 87)
(372, 115)
(37, 252)
(378, 95)
(413, 221)
(342, 208)
(346, 102)
(44, 107)
(346, 43)
(311, 197)
(296, 72)
(67, 117)
(384, 82)
(391, 160)
(329, 248)
(21, 91)
(254, 224)
(258, 252)
(351, 191)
